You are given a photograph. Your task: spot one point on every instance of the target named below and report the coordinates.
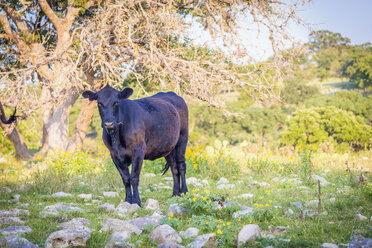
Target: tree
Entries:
(328, 49)
(358, 65)
(63, 47)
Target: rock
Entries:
(11, 221)
(117, 225)
(261, 184)
(77, 224)
(67, 238)
(297, 205)
(222, 181)
(96, 201)
(119, 245)
(125, 207)
(333, 199)
(107, 207)
(143, 222)
(62, 194)
(16, 198)
(164, 187)
(54, 210)
(149, 175)
(323, 182)
(164, 233)
(285, 240)
(245, 196)
(16, 242)
(309, 212)
(281, 228)
(176, 209)
(288, 211)
(152, 204)
(120, 236)
(360, 217)
(245, 212)
(85, 197)
(205, 182)
(248, 233)
(206, 240)
(225, 186)
(23, 205)
(328, 245)
(14, 212)
(110, 194)
(168, 178)
(15, 230)
(170, 244)
(194, 181)
(190, 232)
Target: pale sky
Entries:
(353, 19)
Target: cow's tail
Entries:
(165, 169)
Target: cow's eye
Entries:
(100, 105)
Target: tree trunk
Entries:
(17, 141)
(81, 124)
(56, 123)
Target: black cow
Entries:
(146, 128)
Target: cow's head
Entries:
(108, 104)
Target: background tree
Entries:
(52, 50)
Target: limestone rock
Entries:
(222, 181)
(16, 242)
(245, 212)
(164, 233)
(110, 194)
(107, 207)
(67, 237)
(245, 196)
(15, 230)
(143, 222)
(117, 225)
(11, 221)
(170, 244)
(125, 207)
(62, 194)
(14, 212)
(288, 211)
(149, 175)
(323, 182)
(194, 181)
(176, 209)
(85, 197)
(248, 233)
(225, 186)
(360, 217)
(152, 204)
(328, 245)
(190, 232)
(78, 224)
(204, 241)
(54, 210)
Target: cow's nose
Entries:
(109, 125)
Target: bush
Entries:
(313, 126)
(295, 92)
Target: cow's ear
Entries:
(127, 92)
(89, 94)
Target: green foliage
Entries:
(358, 66)
(322, 39)
(316, 125)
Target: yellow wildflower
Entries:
(219, 231)
(171, 214)
(228, 223)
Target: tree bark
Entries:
(56, 123)
(13, 135)
(81, 125)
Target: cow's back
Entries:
(166, 118)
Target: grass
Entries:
(282, 173)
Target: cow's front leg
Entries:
(137, 161)
(125, 176)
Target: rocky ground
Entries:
(101, 218)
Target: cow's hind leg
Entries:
(171, 161)
(181, 161)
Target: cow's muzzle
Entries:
(109, 125)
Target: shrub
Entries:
(316, 125)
